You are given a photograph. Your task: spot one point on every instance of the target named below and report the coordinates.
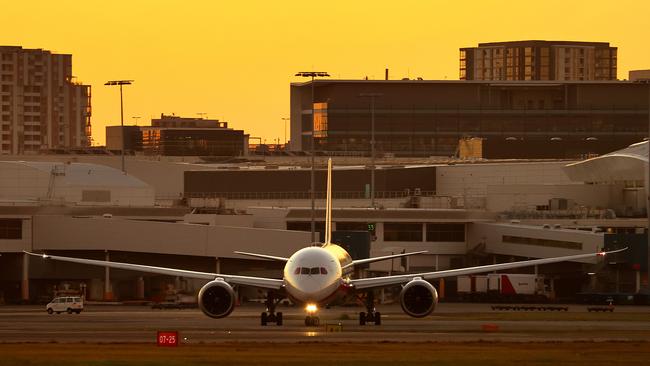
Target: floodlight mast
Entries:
(120, 83)
(285, 119)
(372, 97)
(312, 75)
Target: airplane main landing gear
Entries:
(371, 316)
(270, 316)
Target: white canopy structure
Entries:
(71, 183)
(626, 165)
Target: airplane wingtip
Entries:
(44, 256)
(604, 253)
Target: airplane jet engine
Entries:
(217, 299)
(418, 298)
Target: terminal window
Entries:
(305, 225)
(11, 228)
(446, 232)
(95, 196)
(352, 226)
(403, 231)
(542, 242)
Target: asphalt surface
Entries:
(449, 323)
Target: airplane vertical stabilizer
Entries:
(328, 205)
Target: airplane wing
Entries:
(374, 282)
(377, 259)
(261, 282)
(264, 256)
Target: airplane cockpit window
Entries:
(310, 271)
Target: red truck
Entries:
(504, 287)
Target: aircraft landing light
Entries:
(311, 308)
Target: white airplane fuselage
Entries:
(315, 275)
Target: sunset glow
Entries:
(234, 60)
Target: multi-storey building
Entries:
(639, 75)
(129, 137)
(179, 136)
(539, 60)
(42, 106)
(516, 119)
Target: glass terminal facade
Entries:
(515, 119)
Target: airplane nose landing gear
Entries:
(270, 316)
(311, 320)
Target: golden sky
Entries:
(234, 60)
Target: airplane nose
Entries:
(310, 285)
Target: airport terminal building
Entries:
(514, 118)
(461, 213)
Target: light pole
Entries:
(372, 97)
(312, 75)
(647, 204)
(136, 118)
(285, 119)
(120, 83)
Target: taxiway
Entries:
(450, 323)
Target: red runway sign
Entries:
(167, 338)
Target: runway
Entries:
(450, 323)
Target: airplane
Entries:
(321, 275)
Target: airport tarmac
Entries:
(450, 323)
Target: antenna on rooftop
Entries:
(203, 115)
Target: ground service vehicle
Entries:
(504, 287)
(69, 304)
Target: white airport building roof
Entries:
(72, 183)
(629, 164)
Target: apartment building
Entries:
(42, 105)
(539, 60)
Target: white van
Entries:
(68, 304)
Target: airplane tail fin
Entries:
(328, 207)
